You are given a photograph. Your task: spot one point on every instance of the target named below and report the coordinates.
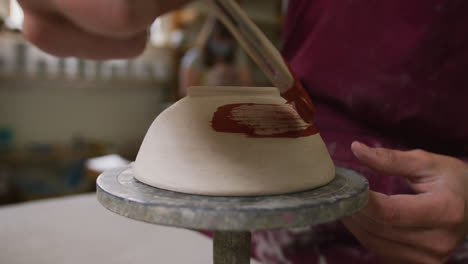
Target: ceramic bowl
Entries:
(233, 141)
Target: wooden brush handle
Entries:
(255, 43)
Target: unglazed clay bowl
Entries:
(233, 141)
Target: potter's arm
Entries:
(94, 29)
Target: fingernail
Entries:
(356, 146)
(360, 149)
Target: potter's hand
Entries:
(97, 29)
(421, 228)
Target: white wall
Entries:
(55, 111)
(51, 108)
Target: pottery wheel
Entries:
(232, 217)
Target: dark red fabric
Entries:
(393, 67)
(389, 73)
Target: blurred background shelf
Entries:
(57, 114)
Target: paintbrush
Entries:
(265, 55)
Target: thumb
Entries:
(422, 210)
(417, 166)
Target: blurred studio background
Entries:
(64, 120)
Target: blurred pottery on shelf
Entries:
(233, 141)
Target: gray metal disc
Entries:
(121, 193)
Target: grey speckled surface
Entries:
(119, 192)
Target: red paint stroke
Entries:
(261, 120)
(298, 97)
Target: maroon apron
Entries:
(389, 73)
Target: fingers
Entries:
(428, 225)
(437, 242)
(392, 251)
(110, 18)
(62, 38)
(419, 211)
(415, 165)
(95, 29)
